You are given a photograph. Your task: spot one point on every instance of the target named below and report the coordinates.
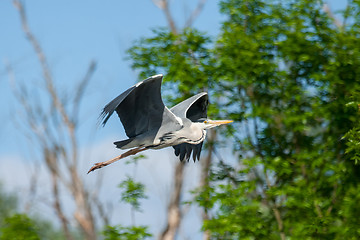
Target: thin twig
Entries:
(204, 177)
(81, 89)
(195, 13)
(336, 21)
(44, 64)
(174, 214)
(275, 209)
(164, 6)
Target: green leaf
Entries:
(132, 192)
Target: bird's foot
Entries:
(97, 166)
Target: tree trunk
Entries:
(174, 212)
(204, 181)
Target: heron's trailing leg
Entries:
(126, 154)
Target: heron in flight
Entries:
(149, 124)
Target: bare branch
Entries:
(43, 61)
(33, 184)
(57, 205)
(333, 199)
(274, 208)
(164, 6)
(195, 13)
(81, 89)
(56, 150)
(158, 3)
(327, 9)
(103, 213)
(204, 178)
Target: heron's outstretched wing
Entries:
(193, 108)
(140, 108)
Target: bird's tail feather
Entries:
(120, 144)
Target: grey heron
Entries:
(149, 124)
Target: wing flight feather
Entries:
(140, 108)
(194, 108)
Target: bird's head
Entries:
(208, 123)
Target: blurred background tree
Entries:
(17, 225)
(286, 72)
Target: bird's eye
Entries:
(205, 121)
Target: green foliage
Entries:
(8, 204)
(133, 192)
(135, 159)
(290, 78)
(19, 227)
(126, 233)
(352, 137)
(15, 225)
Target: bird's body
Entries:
(149, 124)
(165, 138)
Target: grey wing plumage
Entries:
(140, 108)
(184, 151)
(193, 108)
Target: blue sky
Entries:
(71, 34)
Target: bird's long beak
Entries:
(220, 122)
